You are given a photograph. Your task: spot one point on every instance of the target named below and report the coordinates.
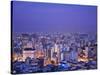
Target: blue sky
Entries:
(51, 17)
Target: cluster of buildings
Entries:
(54, 47)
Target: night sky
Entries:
(51, 17)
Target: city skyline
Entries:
(52, 17)
(51, 37)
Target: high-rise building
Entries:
(28, 52)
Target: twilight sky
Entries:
(51, 17)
